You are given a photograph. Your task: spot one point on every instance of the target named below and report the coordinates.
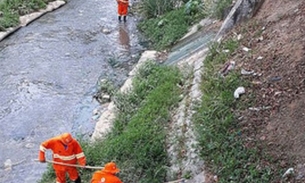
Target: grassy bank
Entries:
(11, 10)
(166, 21)
(137, 140)
(164, 28)
(221, 141)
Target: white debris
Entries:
(259, 108)
(238, 91)
(96, 112)
(259, 58)
(8, 165)
(261, 38)
(288, 172)
(30, 145)
(244, 72)
(106, 97)
(106, 31)
(246, 49)
(239, 37)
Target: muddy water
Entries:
(49, 71)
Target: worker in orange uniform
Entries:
(65, 150)
(107, 174)
(122, 9)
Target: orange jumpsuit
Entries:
(104, 177)
(70, 153)
(123, 7)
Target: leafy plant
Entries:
(154, 8)
(220, 7)
(193, 7)
(165, 30)
(9, 19)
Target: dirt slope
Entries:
(276, 37)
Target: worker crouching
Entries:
(107, 174)
(65, 150)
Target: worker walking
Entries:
(65, 150)
(107, 174)
(122, 9)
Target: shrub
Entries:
(164, 31)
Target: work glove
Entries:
(42, 157)
(42, 160)
(82, 163)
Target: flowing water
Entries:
(49, 72)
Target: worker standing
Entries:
(65, 150)
(122, 9)
(107, 174)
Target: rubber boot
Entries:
(119, 17)
(124, 18)
(78, 180)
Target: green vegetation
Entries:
(163, 28)
(220, 7)
(10, 10)
(154, 8)
(220, 137)
(137, 140)
(166, 21)
(164, 31)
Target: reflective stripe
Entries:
(43, 149)
(65, 158)
(80, 155)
